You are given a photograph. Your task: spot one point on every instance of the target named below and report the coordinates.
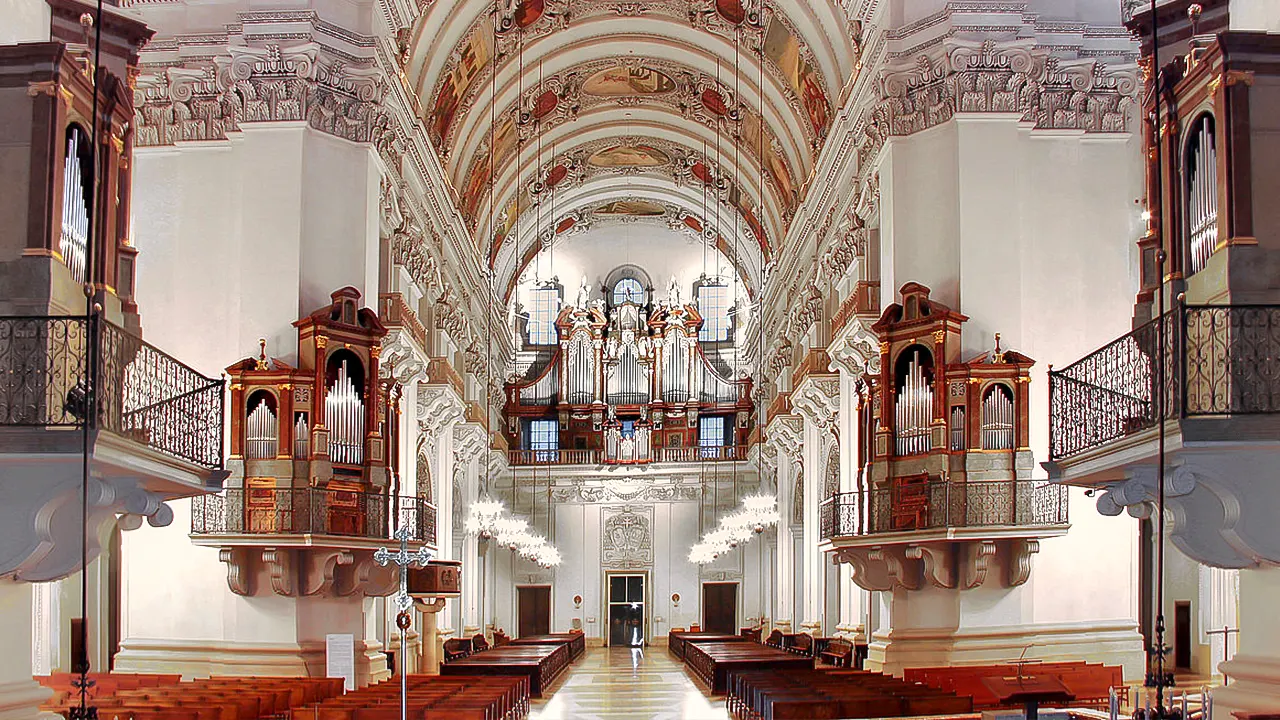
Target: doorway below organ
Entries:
(626, 610)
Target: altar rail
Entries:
(64, 371)
(312, 511)
(940, 504)
(1218, 360)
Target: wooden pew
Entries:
(838, 653)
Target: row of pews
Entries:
(1081, 684)
(820, 694)
(541, 660)
(167, 697)
(427, 697)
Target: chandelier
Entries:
(758, 513)
(488, 519)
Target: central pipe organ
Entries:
(627, 384)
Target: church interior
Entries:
(704, 359)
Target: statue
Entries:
(584, 294)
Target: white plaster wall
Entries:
(24, 21)
(1030, 234)
(237, 239)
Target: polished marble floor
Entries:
(639, 684)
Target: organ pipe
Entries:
(676, 364)
(544, 390)
(997, 420)
(1202, 196)
(260, 433)
(580, 373)
(74, 240)
(344, 417)
(913, 410)
(301, 437)
(957, 427)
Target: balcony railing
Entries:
(688, 454)
(1219, 360)
(312, 511)
(47, 371)
(943, 505)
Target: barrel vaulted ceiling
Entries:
(611, 111)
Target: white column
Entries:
(472, 622)
(814, 570)
(784, 591)
(1255, 669)
(20, 696)
(852, 597)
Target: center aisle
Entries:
(627, 683)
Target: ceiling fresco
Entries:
(733, 99)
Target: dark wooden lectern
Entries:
(1029, 691)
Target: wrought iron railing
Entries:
(943, 505)
(312, 511)
(690, 453)
(142, 394)
(1218, 360)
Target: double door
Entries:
(626, 595)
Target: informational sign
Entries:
(340, 658)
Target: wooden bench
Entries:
(838, 653)
(1089, 683)
(789, 694)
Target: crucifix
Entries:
(1226, 633)
(403, 558)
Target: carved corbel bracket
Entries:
(368, 578)
(882, 568)
(279, 564)
(239, 569)
(320, 570)
(1019, 563)
(939, 563)
(977, 562)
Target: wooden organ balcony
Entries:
(628, 387)
(947, 443)
(309, 453)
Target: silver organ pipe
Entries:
(1202, 196)
(628, 383)
(716, 389)
(997, 420)
(260, 433)
(913, 410)
(957, 427)
(74, 239)
(676, 363)
(544, 390)
(301, 437)
(344, 417)
(580, 373)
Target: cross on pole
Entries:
(1226, 633)
(403, 559)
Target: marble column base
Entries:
(1254, 686)
(20, 700)
(204, 658)
(1116, 643)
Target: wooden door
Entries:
(533, 610)
(720, 607)
(1182, 635)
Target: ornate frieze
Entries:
(588, 492)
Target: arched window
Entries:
(713, 306)
(913, 400)
(1200, 183)
(544, 307)
(628, 290)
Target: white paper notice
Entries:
(340, 655)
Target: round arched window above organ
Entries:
(628, 290)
